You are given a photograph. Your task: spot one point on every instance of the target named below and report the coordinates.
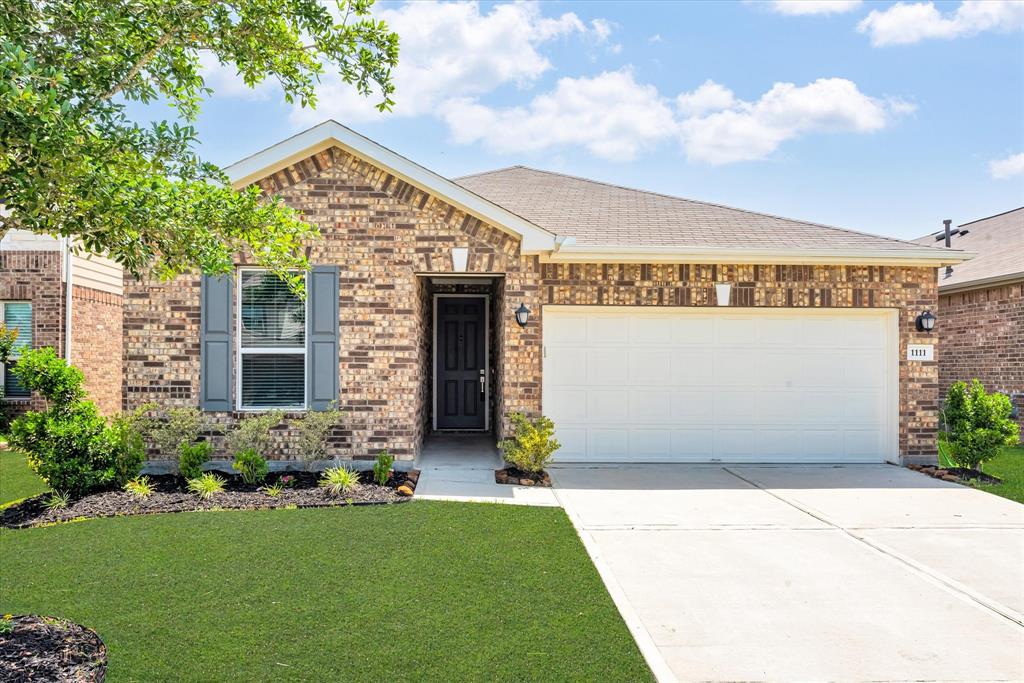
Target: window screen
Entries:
(272, 342)
(16, 315)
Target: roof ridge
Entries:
(995, 215)
(496, 170)
(698, 201)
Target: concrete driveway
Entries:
(796, 573)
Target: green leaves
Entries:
(73, 165)
(977, 423)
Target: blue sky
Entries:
(873, 116)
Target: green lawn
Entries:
(1008, 466)
(16, 480)
(420, 591)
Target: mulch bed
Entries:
(958, 475)
(516, 477)
(51, 649)
(170, 494)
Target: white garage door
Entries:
(698, 385)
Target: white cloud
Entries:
(710, 96)
(745, 131)
(226, 82)
(1011, 166)
(454, 50)
(906, 23)
(610, 115)
(795, 7)
(656, 38)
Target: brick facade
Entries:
(981, 335)
(386, 235)
(35, 276)
(96, 344)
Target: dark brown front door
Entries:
(461, 363)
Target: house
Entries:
(648, 327)
(70, 301)
(981, 306)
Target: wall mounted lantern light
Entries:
(522, 315)
(925, 322)
(722, 290)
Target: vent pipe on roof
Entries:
(949, 235)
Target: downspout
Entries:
(67, 299)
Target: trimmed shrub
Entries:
(251, 465)
(532, 446)
(44, 371)
(314, 428)
(129, 448)
(180, 427)
(977, 424)
(253, 433)
(192, 457)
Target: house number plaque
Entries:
(920, 352)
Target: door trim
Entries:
(487, 361)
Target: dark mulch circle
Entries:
(170, 494)
(50, 649)
(517, 477)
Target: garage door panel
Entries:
(606, 405)
(647, 406)
(734, 368)
(649, 367)
(693, 330)
(565, 367)
(744, 385)
(607, 366)
(691, 367)
(607, 330)
(691, 407)
(692, 444)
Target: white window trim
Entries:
(265, 350)
(3, 370)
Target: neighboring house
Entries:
(981, 306)
(80, 318)
(410, 323)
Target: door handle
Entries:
(483, 384)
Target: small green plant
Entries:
(338, 480)
(180, 427)
(126, 434)
(57, 501)
(273, 490)
(206, 485)
(314, 429)
(251, 465)
(139, 488)
(253, 433)
(287, 481)
(6, 624)
(192, 457)
(532, 445)
(382, 467)
(977, 424)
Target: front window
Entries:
(16, 315)
(272, 343)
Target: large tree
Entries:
(73, 164)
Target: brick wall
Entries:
(96, 344)
(981, 335)
(385, 234)
(34, 276)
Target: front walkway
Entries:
(806, 573)
(461, 467)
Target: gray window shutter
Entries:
(215, 355)
(322, 337)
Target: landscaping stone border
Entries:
(516, 477)
(956, 475)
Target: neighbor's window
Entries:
(272, 343)
(16, 314)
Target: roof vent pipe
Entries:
(949, 234)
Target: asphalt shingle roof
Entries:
(999, 243)
(601, 214)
